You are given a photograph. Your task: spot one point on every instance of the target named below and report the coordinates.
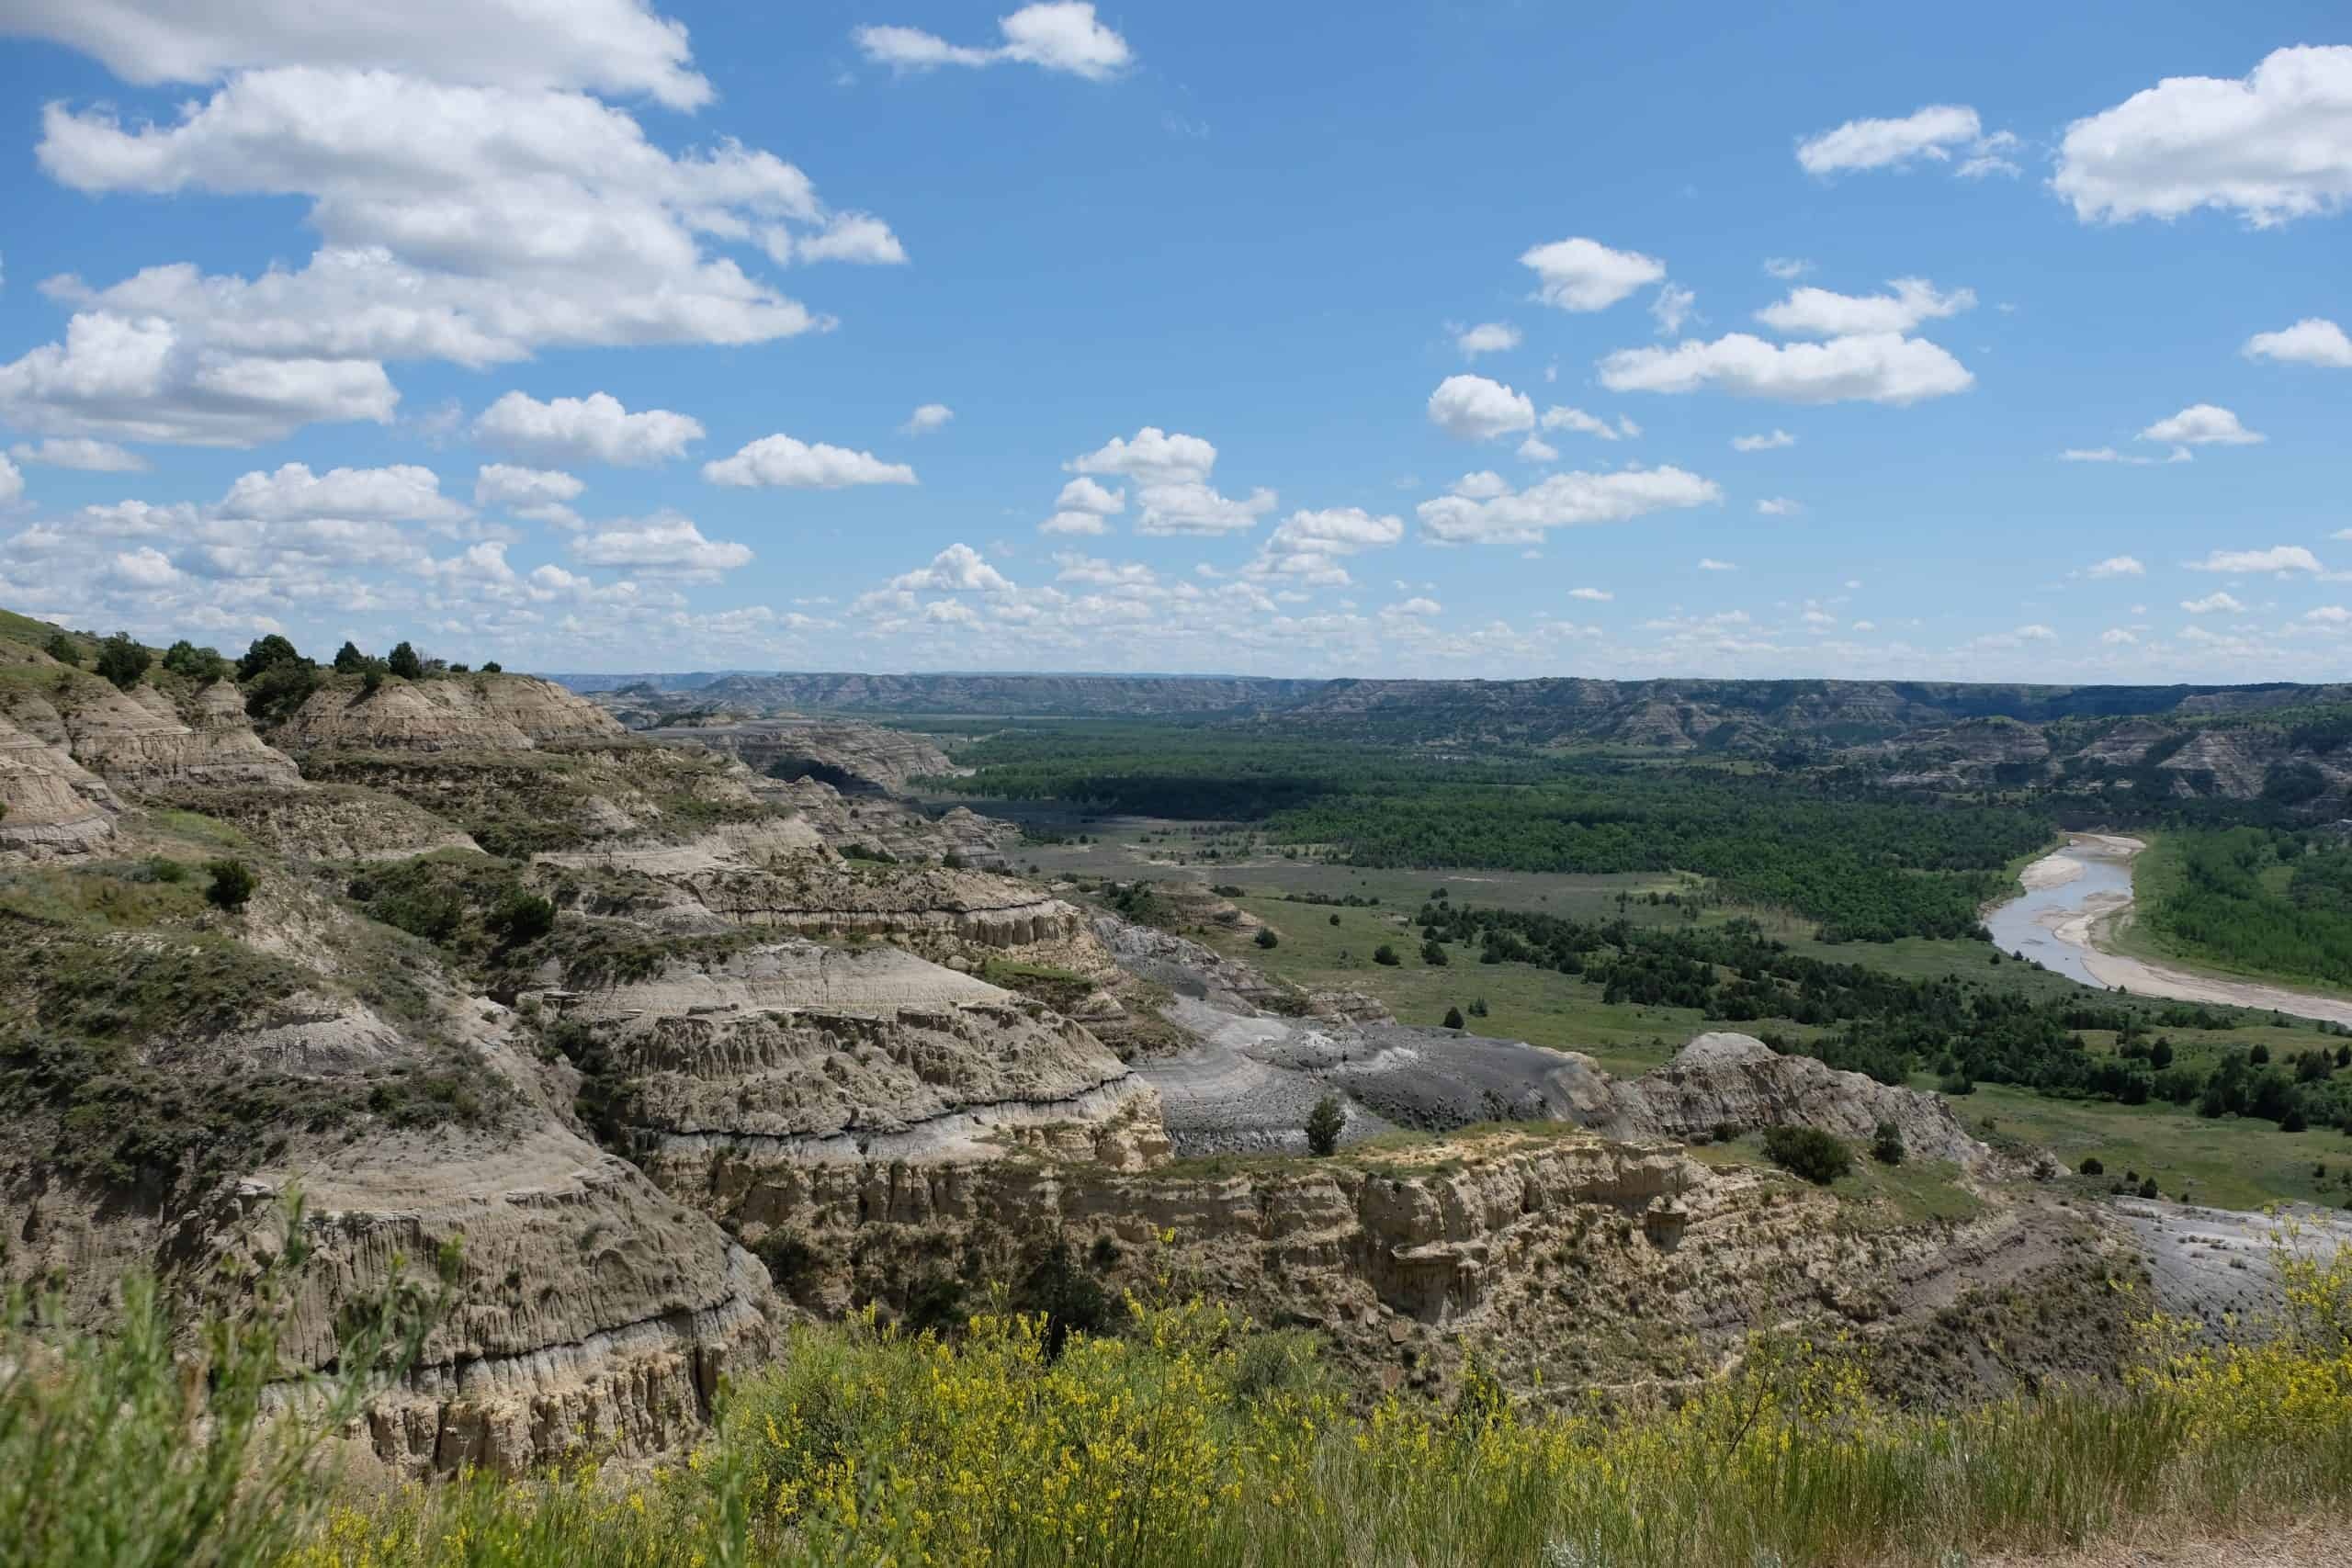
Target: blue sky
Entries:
(1377, 340)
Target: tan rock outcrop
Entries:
(323, 821)
(458, 713)
(49, 802)
(1726, 1079)
(853, 758)
(139, 740)
(796, 1051)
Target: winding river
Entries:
(2073, 897)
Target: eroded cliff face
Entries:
(52, 804)
(457, 713)
(794, 1051)
(856, 758)
(188, 1075)
(1561, 1260)
(147, 740)
(1735, 1081)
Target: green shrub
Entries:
(232, 883)
(1433, 955)
(2092, 1166)
(63, 648)
(1453, 1018)
(404, 662)
(1071, 1300)
(1325, 1122)
(1266, 937)
(122, 662)
(1385, 954)
(200, 665)
(266, 653)
(1808, 1152)
(521, 916)
(1887, 1143)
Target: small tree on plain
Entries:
(1324, 1123)
(404, 662)
(1266, 937)
(1385, 954)
(1433, 955)
(1453, 1018)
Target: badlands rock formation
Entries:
(1737, 1081)
(853, 758)
(49, 802)
(460, 713)
(143, 740)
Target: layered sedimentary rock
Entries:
(458, 713)
(792, 1051)
(877, 822)
(826, 895)
(1735, 1081)
(589, 1315)
(593, 1314)
(1561, 1260)
(323, 821)
(140, 739)
(49, 802)
(853, 758)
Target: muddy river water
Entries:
(2074, 898)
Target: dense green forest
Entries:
(1964, 1031)
(1869, 867)
(2266, 900)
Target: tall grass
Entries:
(1192, 1439)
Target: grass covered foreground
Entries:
(1189, 1438)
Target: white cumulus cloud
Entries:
(79, 452)
(1060, 35)
(1881, 367)
(1585, 274)
(596, 429)
(2272, 147)
(2312, 340)
(2202, 424)
(664, 545)
(781, 462)
(1934, 134)
(1818, 313)
(1563, 501)
(1487, 337)
(2277, 558)
(1474, 407)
